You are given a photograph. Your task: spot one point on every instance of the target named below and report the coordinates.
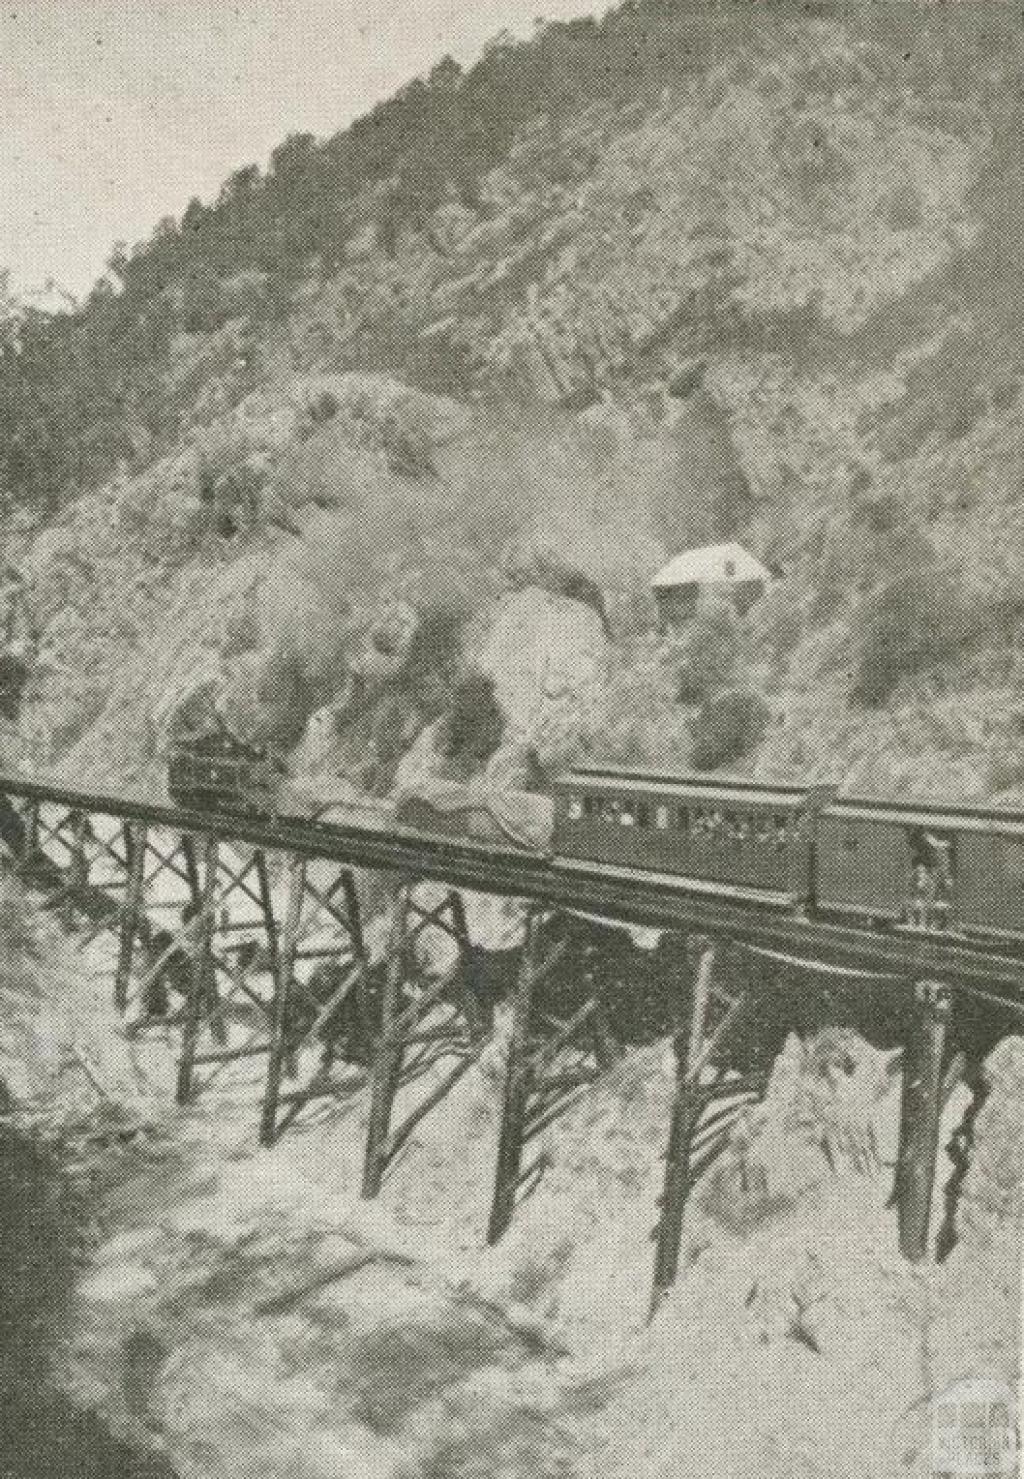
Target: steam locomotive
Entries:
(804, 849)
(216, 772)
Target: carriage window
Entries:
(610, 810)
(661, 818)
(575, 808)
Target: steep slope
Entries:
(730, 276)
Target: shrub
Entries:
(286, 694)
(229, 485)
(474, 726)
(728, 726)
(706, 652)
(775, 626)
(916, 618)
(203, 306)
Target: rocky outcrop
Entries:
(548, 655)
(476, 810)
(818, 1120)
(976, 1328)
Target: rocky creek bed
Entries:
(42, 1434)
(236, 1312)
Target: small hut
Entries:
(714, 569)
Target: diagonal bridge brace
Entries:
(423, 1023)
(551, 1059)
(206, 960)
(66, 854)
(321, 994)
(697, 1130)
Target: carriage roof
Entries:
(932, 818)
(710, 790)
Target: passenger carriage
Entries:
(896, 865)
(956, 868)
(718, 833)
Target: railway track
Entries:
(320, 1002)
(627, 895)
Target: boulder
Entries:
(818, 1121)
(548, 656)
(991, 1201)
(475, 811)
(386, 645)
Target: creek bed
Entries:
(42, 1436)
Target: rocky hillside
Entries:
(390, 491)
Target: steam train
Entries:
(805, 849)
(216, 772)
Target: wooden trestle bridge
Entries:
(111, 863)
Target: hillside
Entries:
(428, 403)
(373, 458)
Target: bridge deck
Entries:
(632, 897)
(388, 1019)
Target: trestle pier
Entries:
(247, 937)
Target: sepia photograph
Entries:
(511, 739)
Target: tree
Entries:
(10, 316)
(293, 157)
(446, 75)
(728, 726)
(914, 619)
(202, 299)
(706, 653)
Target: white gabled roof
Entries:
(709, 563)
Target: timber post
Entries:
(188, 853)
(354, 915)
(31, 833)
(551, 1059)
(468, 995)
(337, 1008)
(387, 1063)
(136, 839)
(686, 1107)
(200, 985)
(283, 979)
(424, 1020)
(518, 1077)
(920, 1112)
(78, 866)
(266, 904)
